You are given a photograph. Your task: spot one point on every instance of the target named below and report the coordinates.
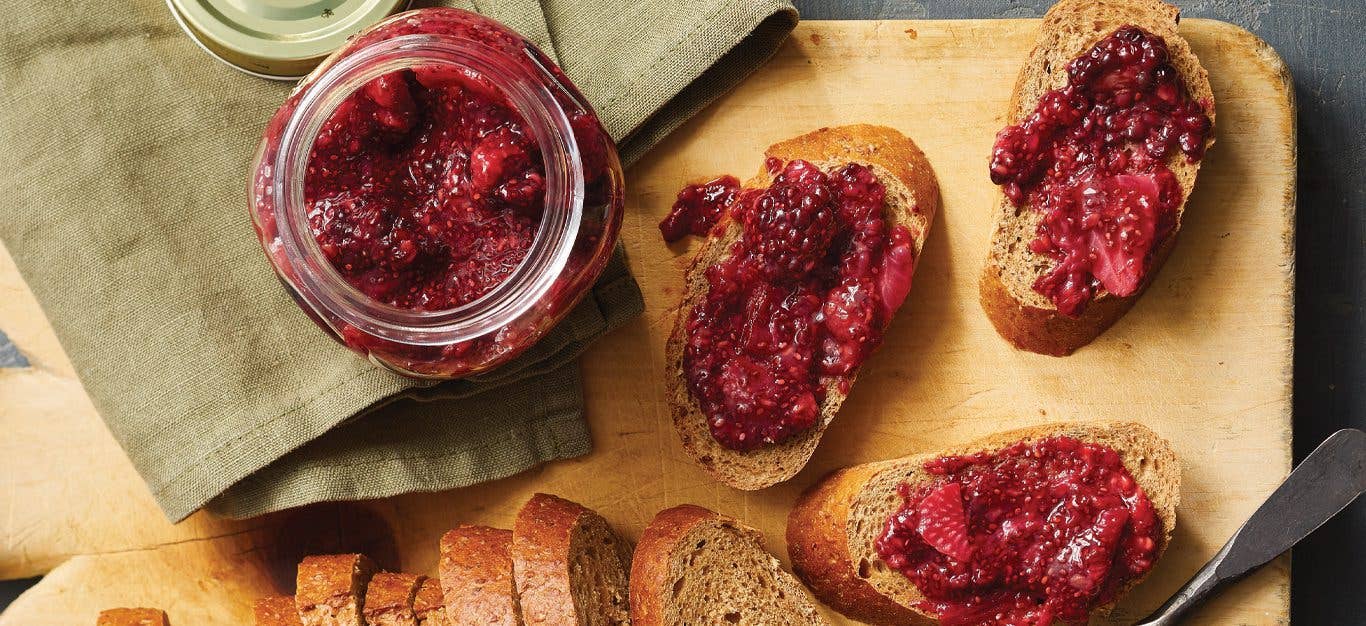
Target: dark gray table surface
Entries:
(1323, 43)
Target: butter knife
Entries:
(1324, 483)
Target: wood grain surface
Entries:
(1204, 358)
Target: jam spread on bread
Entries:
(1034, 533)
(797, 303)
(1091, 159)
(698, 208)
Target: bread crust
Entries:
(331, 589)
(650, 563)
(543, 554)
(818, 527)
(276, 611)
(540, 556)
(477, 577)
(429, 607)
(132, 617)
(1023, 317)
(389, 599)
(913, 201)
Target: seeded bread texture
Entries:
(694, 566)
(276, 611)
(571, 568)
(912, 201)
(477, 579)
(331, 589)
(1026, 318)
(132, 617)
(832, 529)
(389, 599)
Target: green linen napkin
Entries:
(124, 205)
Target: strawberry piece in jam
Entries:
(941, 522)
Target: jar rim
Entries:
(320, 284)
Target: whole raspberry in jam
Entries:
(800, 301)
(1037, 532)
(1091, 158)
(791, 225)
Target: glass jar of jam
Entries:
(437, 194)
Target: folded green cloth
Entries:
(125, 209)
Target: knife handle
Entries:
(1324, 483)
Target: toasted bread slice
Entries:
(832, 530)
(331, 589)
(132, 617)
(476, 577)
(571, 568)
(1023, 316)
(695, 566)
(429, 606)
(276, 611)
(912, 201)
(389, 599)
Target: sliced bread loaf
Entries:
(331, 589)
(389, 599)
(833, 529)
(912, 199)
(477, 579)
(132, 617)
(571, 568)
(1022, 315)
(276, 611)
(695, 566)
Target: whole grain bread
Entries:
(132, 617)
(276, 611)
(389, 599)
(1026, 318)
(331, 589)
(477, 579)
(695, 566)
(429, 605)
(832, 529)
(912, 201)
(571, 568)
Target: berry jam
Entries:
(1031, 534)
(424, 189)
(698, 208)
(1092, 159)
(800, 301)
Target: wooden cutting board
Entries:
(1204, 359)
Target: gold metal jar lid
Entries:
(277, 39)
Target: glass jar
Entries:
(437, 194)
